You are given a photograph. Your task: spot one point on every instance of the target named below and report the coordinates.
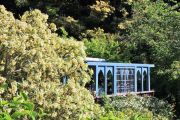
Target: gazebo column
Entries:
(115, 81)
(142, 78)
(135, 79)
(97, 81)
(64, 80)
(149, 83)
(105, 75)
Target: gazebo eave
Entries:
(119, 64)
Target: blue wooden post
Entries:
(115, 82)
(64, 80)
(135, 79)
(97, 80)
(142, 78)
(148, 73)
(105, 78)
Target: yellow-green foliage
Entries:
(175, 70)
(102, 9)
(132, 107)
(33, 59)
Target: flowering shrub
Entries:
(127, 114)
(144, 107)
(33, 59)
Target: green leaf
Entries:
(3, 102)
(28, 106)
(6, 116)
(18, 114)
(24, 96)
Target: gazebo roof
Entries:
(90, 59)
(103, 62)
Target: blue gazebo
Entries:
(119, 78)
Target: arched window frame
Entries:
(110, 72)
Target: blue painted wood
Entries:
(105, 75)
(135, 79)
(119, 64)
(115, 81)
(64, 80)
(106, 66)
(101, 69)
(109, 69)
(149, 85)
(145, 69)
(97, 80)
(142, 83)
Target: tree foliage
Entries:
(98, 44)
(19, 108)
(33, 59)
(153, 37)
(89, 14)
(101, 10)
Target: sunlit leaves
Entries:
(101, 10)
(34, 59)
(145, 107)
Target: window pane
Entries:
(145, 81)
(139, 81)
(126, 80)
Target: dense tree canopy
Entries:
(110, 15)
(77, 16)
(33, 59)
(154, 37)
(140, 31)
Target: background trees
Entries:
(77, 16)
(154, 37)
(119, 30)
